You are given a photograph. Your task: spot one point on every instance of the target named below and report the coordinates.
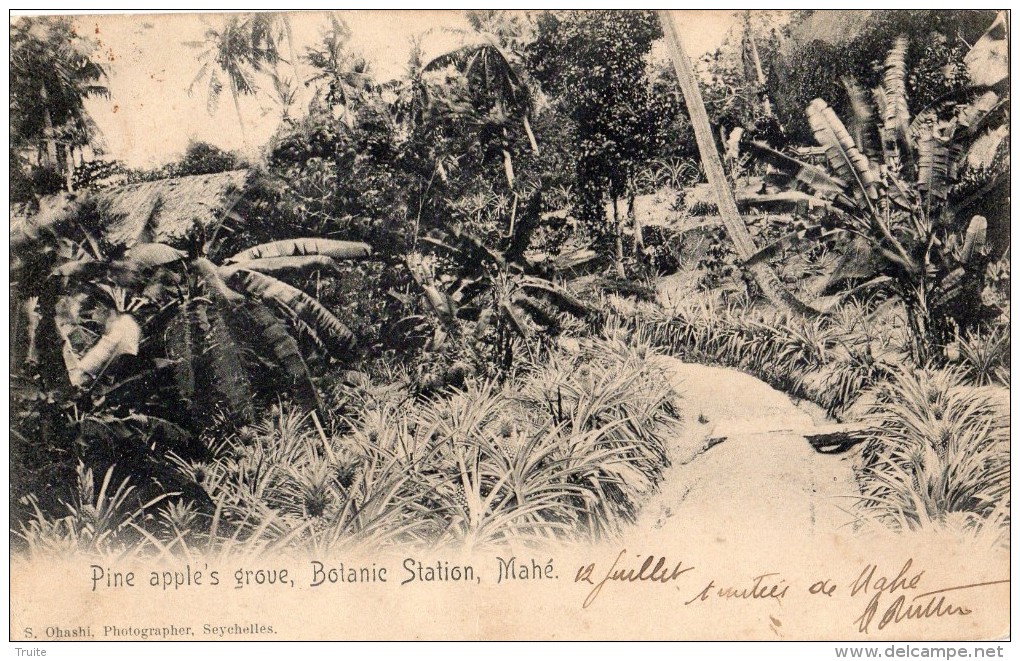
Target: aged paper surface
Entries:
(193, 459)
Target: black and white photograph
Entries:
(502, 325)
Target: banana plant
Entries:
(905, 190)
(497, 293)
(222, 310)
(88, 308)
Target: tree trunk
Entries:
(635, 222)
(920, 323)
(618, 238)
(744, 245)
(758, 71)
(508, 169)
(51, 141)
(240, 118)
(531, 136)
(68, 165)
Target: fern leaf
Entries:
(330, 331)
(338, 250)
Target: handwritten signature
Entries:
(906, 606)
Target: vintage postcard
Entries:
(510, 325)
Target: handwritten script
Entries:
(888, 597)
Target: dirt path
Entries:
(764, 478)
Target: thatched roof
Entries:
(834, 27)
(165, 209)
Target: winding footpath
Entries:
(742, 466)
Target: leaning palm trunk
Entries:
(764, 276)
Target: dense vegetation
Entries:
(430, 314)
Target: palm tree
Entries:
(495, 81)
(743, 243)
(52, 73)
(242, 48)
(346, 77)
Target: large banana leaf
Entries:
(281, 264)
(557, 295)
(788, 240)
(476, 247)
(812, 176)
(974, 241)
(896, 118)
(509, 312)
(300, 247)
(846, 160)
(223, 356)
(122, 337)
(439, 301)
(328, 330)
(270, 333)
(182, 349)
(862, 122)
(534, 309)
(933, 166)
(210, 274)
(150, 255)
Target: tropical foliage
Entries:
(904, 189)
(53, 70)
(434, 311)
